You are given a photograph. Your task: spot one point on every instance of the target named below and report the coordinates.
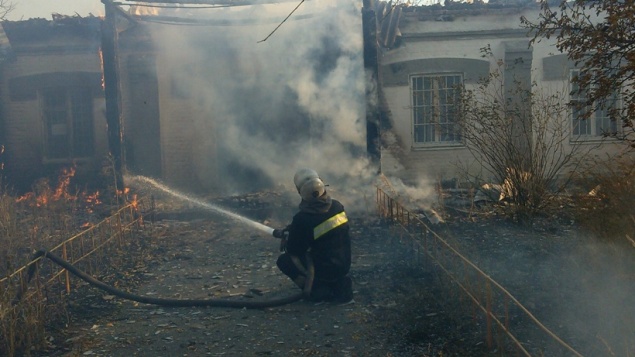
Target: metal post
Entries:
(66, 274)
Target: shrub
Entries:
(519, 136)
(605, 205)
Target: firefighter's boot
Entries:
(343, 290)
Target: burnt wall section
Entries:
(159, 114)
(371, 66)
(52, 101)
(143, 134)
(27, 87)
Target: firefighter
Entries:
(319, 232)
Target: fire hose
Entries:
(252, 304)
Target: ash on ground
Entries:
(404, 305)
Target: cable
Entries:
(283, 21)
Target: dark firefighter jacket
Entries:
(327, 237)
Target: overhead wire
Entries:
(195, 5)
(283, 21)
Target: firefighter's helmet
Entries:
(312, 189)
(302, 176)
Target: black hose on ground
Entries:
(253, 304)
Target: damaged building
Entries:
(212, 102)
(201, 101)
(54, 104)
(52, 109)
(205, 107)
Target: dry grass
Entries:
(37, 220)
(606, 207)
(21, 329)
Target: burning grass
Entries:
(36, 220)
(40, 219)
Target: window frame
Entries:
(74, 115)
(593, 130)
(434, 97)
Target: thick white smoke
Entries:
(267, 108)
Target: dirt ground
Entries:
(212, 258)
(400, 308)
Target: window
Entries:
(435, 104)
(587, 121)
(68, 121)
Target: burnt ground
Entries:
(402, 307)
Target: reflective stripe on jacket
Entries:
(329, 225)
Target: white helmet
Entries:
(312, 189)
(302, 176)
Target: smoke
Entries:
(417, 196)
(263, 109)
(596, 286)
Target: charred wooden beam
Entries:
(111, 89)
(371, 66)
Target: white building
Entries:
(438, 49)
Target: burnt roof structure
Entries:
(38, 29)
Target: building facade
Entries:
(52, 99)
(441, 51)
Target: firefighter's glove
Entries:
(281, 233)
(283, 244)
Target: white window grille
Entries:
(590, 120)
(435, 106)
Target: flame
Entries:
(143, 11)
(135, 206)
(101, 64)
(134, 203)
(61, 191)
(93, 199)
(26, 197)
(98, 11)
(45, 196)
(38, 201)
(123, 193)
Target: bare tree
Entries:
(599, 36)
(6, 6)
(520, 137)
